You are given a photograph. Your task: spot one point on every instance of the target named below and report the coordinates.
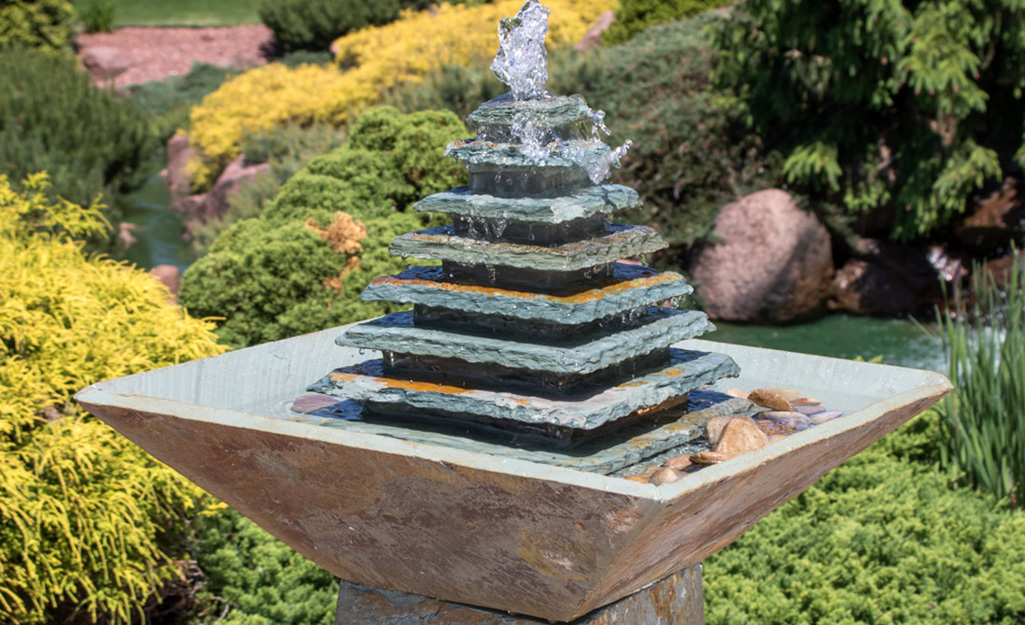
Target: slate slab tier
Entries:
(531, 319)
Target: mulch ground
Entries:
(159, 53)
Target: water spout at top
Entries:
(522, 61)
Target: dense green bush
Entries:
(884, 538)
(52, 118)
(301, 265)
(256, 579)
(88, 521)
(171, 99)
(985, 415)
(634, 16)
(42, 24)
(314, 24)
(895, 112)
(689, 157)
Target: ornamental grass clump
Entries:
(87, 519)
(985, 415)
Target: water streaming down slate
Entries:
(531, 325)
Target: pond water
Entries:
(159, 231)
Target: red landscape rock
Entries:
(772, 262)
(592, 38)
(171, 277)
(178, 152)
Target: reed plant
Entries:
(984, 417)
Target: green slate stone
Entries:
(496, 156)
(551, 111)
(685, 371)
(621, 241)
(659, 328)
(631, 286)
(579, 204)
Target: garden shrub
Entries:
(314, 24)
(634, 16)
(375, 59)
(171, 100)
(895, 112)
(880, 539)
(97, 15)
(52, 118)
(276, 276)
(87, 517)
(41, 24)
(255, 578)
(689, 156)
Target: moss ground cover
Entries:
(88, 521)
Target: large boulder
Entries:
(888, 279)
(771, 262)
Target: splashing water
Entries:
(522, 62)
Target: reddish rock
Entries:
(891, 280)
(679, 463)
(708, 457)
(179, 153)
(765, 397)
(772, 262)
(213, 205)
(170, 276)
(996, 220)
(105, 63)
(664, 476)
(714, 428)
(124, 234)
(740, 435)
(592, 38)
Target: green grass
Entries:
(184, 12)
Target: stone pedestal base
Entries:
(676, 600)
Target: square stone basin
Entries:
(466, 526)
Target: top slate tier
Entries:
(531, 318)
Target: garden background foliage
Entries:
(39, 24)
(370, 61)
(53, 119)
(85, 516)
(892, 112)
(301, 264)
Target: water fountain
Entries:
(498, 452)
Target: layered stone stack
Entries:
(531, 318)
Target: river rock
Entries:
(709, 457)
(772, 261)
(765, 397)
(714, 428)
(740, 435)
(664, 476)
(679, 463)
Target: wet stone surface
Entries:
(629, 286)
(580, 203)
(658, 328)
(618, 241)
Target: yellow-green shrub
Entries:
(81, 508)
(376, 58)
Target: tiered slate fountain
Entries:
(531, 323)
(487, 458)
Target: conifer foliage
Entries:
(900, 108)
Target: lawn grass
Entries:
(184, 12)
